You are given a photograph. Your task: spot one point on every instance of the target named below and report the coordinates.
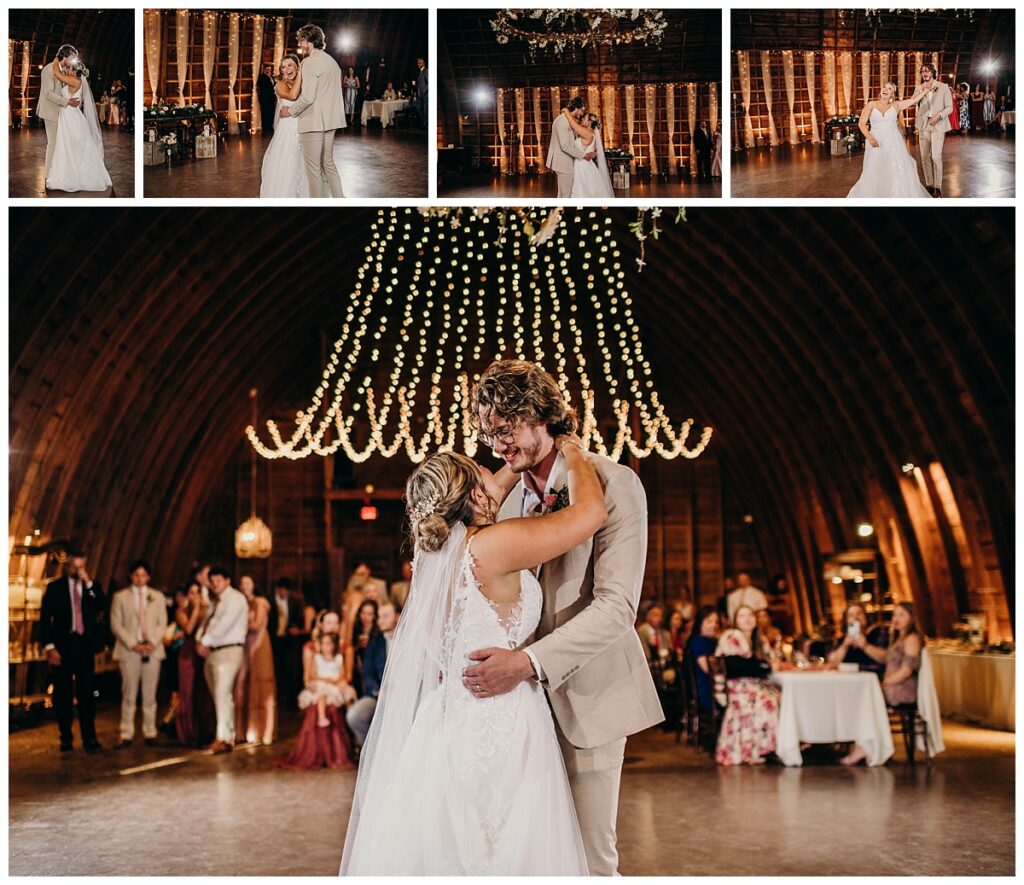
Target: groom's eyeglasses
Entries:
(506, 437)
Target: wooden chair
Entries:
(906, 719)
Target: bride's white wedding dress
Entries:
(77, 162)
(889, 169)
(284, 172)
(465, 786)
(590, 178)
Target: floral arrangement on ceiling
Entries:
(556, 30)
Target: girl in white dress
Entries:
(325, 680)
(889, 169)
(284, 173)
(590, 178)
(452, 782)
(77, 163)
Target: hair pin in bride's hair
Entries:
(424, 508)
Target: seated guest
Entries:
(390, 94)
(324, 740)
(138, 619)
(752, 708)
(324, 622)
(902, 660)
(702, 645)
(858, 645)
(653, 635)
(363, 631)
(325, 680)
(770, 635)
(678, 633)
(360, 714)
(400, 589)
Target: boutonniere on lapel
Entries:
(555, 501)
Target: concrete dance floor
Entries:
(978, 165)
(463, 187)
(27, 155)
(681, 815)
(372, 163)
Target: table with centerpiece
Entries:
(618, 167)
(843, 135)
(178, 133)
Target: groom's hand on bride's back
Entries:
(589, 155)
(498, 671)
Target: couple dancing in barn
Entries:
(74, 140)
(514, 676)
(889, 169)
(299, 162)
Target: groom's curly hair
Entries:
(66, 51)
(521, 392)
(314, 34)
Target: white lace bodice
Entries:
(878, 120)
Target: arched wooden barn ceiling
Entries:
(826, 347)
(104, 37)
(970, 40)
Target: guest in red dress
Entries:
(194, 719)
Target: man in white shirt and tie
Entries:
(223, 636)
(138, 619)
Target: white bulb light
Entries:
(476, 288)
(346, 42)
(865, 529)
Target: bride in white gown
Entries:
(590, 178)
(284, 173)
(77, 163)
(452, 784)
(889, 169)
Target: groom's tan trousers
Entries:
(931, 157)
(51, 143)
(564, 184)
(318, 153)
(594, 777)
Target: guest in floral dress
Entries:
(752, 706)
(963, 102)
(902, 660)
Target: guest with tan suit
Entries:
(52, 100)
(932, 124)
(320, 108)
(585, 653)
(138, 619)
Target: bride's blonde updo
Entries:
(438, 495)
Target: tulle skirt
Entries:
(479, 791)
(284, 172)
(77, 163)
(889, 169)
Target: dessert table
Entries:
(827, 707)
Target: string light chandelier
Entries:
(435, 303)
(874, 16)
(558, 29)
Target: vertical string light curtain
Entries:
(153, 34)
(649, 121)
(234, 20)
(787, 77)
(209, 53)
(859, 83)
(181, 49)
(257, 57)
(809, 74)
(279, 42)
(26, 68)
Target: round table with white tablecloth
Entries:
(977, 687)
(1008, 118)
(383, 110)
(827, 707)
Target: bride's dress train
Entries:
(889, 169)
(284, 172)
(590, 178)
(77, 163)
(478, 786)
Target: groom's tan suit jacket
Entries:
(51, 96)
(563, 148)
(320, 106)
(938, 101)
(596, 674)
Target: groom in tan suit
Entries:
(932, 124)
(52, 101)
(320, 109)
(585, 653)
(563, 150)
